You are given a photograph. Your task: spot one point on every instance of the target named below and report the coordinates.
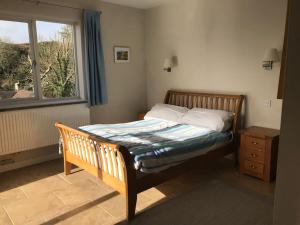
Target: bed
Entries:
(133, 157)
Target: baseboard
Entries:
(28, 158)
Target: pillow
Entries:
(167, 112)
(218, 120)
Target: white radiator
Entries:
(34, 128)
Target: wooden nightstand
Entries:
(258, 152)
(141, 116)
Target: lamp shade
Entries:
(271, 55)
(167, 63)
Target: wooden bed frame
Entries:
(113, 164)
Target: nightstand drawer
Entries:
(257, 143)
(258, 152)
(253, 168)
(255, 155)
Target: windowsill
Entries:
(41, 104)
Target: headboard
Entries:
(230, 103)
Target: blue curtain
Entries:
(97, 91)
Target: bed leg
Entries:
(130, 183)
(236, 156)
(131, 198)
(67, 167)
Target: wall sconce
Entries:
(168, 64)
(271, 56)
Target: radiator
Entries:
(34, 128)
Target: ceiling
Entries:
(142, 4)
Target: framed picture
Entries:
(122, 54)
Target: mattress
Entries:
(158, 144)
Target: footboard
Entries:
(110, 162)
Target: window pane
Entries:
(16, 79)
(56, 55)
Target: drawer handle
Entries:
(252, 167)
(253, 155)
(254, 142)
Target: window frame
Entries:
(37, 100)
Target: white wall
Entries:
(126, 83)
(220, 46)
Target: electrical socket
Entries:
(267, 103)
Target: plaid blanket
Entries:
(156, 144)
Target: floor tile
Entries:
(23, 176)
(81, 192)
(94, 215)
(32, 210)
(144, 201)
(115, 206)
(155, 194)
(76, 176)
(80, 176)
(11, 195)
(45, 185)
(43, 195)
(4, 219)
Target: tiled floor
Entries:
(41, 194)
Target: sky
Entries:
(17, 32)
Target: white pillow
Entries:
(167, 112)
(218, 120)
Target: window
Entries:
(57, 61)
(37, 63)
(16, 77)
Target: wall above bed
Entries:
(219, 49)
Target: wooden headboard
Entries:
(230, 103)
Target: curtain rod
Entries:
(36, 2)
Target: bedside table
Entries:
(258, 152)
(141, 116)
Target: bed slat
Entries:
(230, 103)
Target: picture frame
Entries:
(121, 54)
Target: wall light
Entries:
(271, 56)
(168, 64)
